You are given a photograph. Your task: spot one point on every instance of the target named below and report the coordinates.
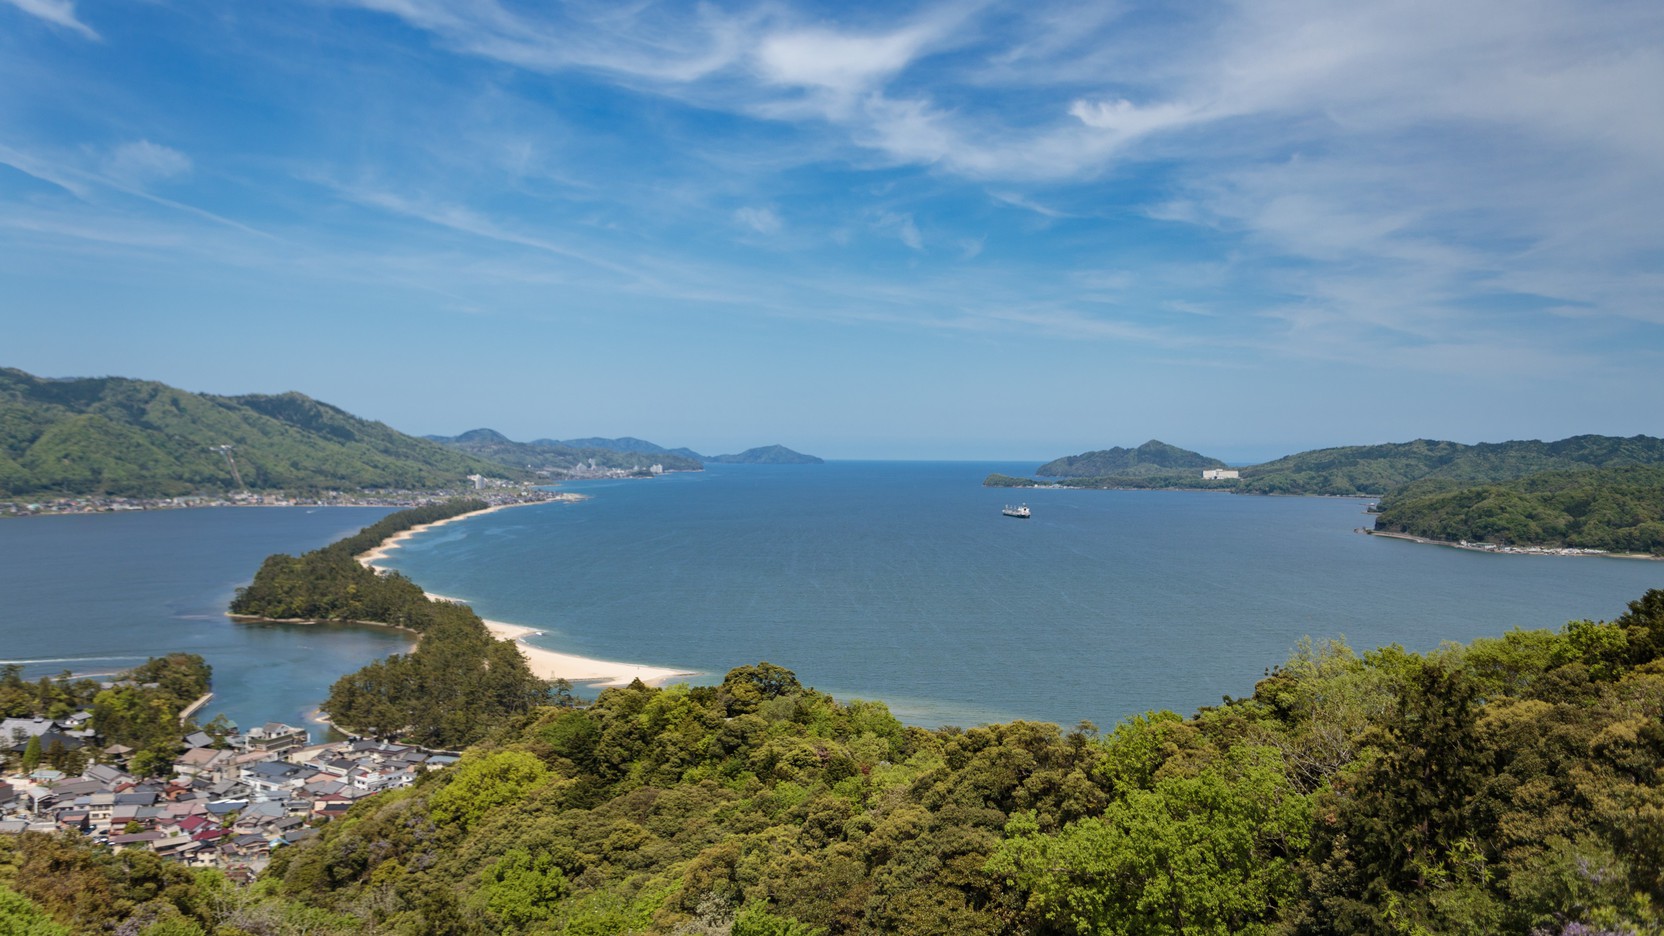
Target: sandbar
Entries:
(544, 663)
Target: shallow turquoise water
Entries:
(902, 581)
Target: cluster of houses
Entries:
(228, 803)
(494, 490)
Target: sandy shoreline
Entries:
(545, 664)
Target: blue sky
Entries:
(962, 230)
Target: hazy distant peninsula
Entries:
(555, 458)
(86, 436)
(1584, 492)
(1355, 470)
(767, 455)
(1153, 457)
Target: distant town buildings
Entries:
(1220, 474)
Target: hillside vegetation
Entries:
(139, 438)
(1615, 509)
(1509, 786)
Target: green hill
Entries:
(767, 455)
(1153, 457)
(1376, 469)
(139, 438)
(1616, 509)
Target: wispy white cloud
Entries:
(57, 12)
(142, 162)
(902, 226)
(761, 220)
(91, 184)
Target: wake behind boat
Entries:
(1020, 511)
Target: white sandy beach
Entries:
(545, 664)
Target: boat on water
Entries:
(1020, 511)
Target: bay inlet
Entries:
(890, 580)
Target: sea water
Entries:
(99, 593)
(903, 582)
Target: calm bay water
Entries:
(102, 592)
(890, 580)
(902, 581)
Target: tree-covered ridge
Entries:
(1377, 469)
(551, 456)
(1615, 509)
(1152, 457)
(453, 689)
(1510, 786)
(116, 436)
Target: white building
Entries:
(1220, 474)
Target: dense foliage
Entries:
(549, 455)
(1615, 509)
(1150, 458)
(115, 436)
(1514, 785)
(452, 690)
(1378, 469)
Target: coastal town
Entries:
(493, 491)
(228, 802)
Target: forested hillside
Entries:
(1615, 509)
(1510, 786)
(139, 438)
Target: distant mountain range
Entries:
(549, 455)
(139, 438)
(625, 444)
(623, 453)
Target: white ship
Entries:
(1020, 511)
